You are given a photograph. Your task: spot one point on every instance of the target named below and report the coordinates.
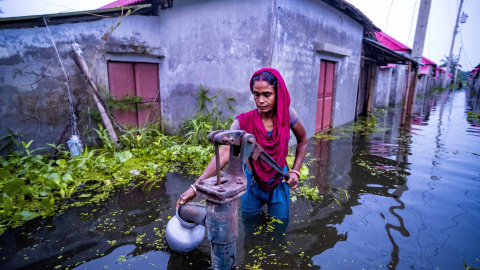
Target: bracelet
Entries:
(297, 173)
(194, 188)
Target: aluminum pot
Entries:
(183, 236)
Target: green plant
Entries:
(10, 142)
(124, 104)
(437, 90)
(33, 185)
(379, 112)
(453, 86)
(473, 115)
(206, 121)
(365, 125)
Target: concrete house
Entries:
(383, 77)
(164, 50)
(474, 88)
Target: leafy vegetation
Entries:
(453, 86)
(471, 115)
(206, 121)
(437, 90)
(124, 104)
(33, 185)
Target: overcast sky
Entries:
(396, 17)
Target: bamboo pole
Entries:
(372, 82)
(405, 95)
(82, 64)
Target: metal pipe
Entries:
(193, 213)
(222, 231)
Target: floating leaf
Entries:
(12, 186)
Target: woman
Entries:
(270, 123)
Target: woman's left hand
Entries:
(293, 181)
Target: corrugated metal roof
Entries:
(427, 61)
(391, 43)
(121, 3)
(71, 17)
(341, 5)
(384, 55)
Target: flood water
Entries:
(397, 198)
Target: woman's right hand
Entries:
(186, 197)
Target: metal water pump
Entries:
(221, 193)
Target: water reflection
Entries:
(397, 197)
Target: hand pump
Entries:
(221, 193)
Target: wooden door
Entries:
(325, 96)
(136, 79)
(121, 77)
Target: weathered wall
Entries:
(382, 91)
(398, 84)
(299, 27)
(218, 44)
(33, 95)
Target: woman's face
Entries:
(264, 96)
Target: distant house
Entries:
(391, 79)
(383, 78)
(474, 79)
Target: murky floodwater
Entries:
(396, 198)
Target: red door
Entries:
(325, 96)
(136, 79)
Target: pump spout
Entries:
(193, 213)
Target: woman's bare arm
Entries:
(210, 171)
(300, 152)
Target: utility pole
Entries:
(421, 30)
(456, 70)
(417, 54)
(451, 47)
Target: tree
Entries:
(453, 64)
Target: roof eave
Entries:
(71, 17)
(390, 56)
(354, 13)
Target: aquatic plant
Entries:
(303, 189)
(34, 185)
(471, 115)
(437, 90)
(453, 86)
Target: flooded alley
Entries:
(389, 197)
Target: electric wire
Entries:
(386, 23)
(70, 101)
(411, 22)
(465, 53)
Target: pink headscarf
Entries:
(277, 145)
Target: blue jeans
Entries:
(278, 200)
